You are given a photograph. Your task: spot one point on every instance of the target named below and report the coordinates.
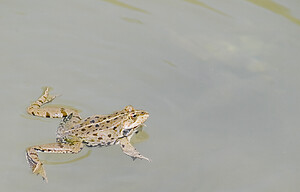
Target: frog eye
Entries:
(126, 131)
(132, 115)
(129, 108)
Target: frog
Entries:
(74, 133)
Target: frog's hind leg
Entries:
(34, 161)
(129, 150)
(36, 108)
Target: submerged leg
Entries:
(37, 165)
(129, 150)
(36, 108)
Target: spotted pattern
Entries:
(73, 132)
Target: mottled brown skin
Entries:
(73, 132)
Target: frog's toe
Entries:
(141, 157)
(38, 169)
(149, 160)
(50, 98)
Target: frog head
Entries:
(133, 120)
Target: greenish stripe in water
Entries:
(195, 2)
(276, 8)
(169, 63)
(131, 20)
(127, 6)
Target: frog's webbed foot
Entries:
(129, 150)
(45, 98)
(48, 98)
(35, 164)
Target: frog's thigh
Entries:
(129, 150)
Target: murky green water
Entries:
(219, 78)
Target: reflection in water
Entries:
(141, 136)
(124, 5)
(276, 8)
(70, 161)
(205, 6)
(131, 20)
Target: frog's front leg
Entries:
(37, 165)
(36, 108)
(129, 150)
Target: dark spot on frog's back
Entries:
(109, 135)
(97, 125)
(83, 129)
(47, 114)
(63, 112)
(92, 121)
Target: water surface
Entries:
(219, 79)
